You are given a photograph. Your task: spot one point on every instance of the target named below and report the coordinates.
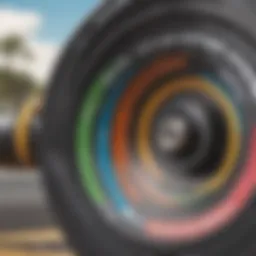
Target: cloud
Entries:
(27, 24)
(19, 22)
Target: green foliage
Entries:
(15, 83)
(13, 46)
(14, 86)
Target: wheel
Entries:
(149, 131)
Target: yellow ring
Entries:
(175, 87)
(22, 132)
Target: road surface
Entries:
(27, 226)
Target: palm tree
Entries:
(14, 85)
(14, 46)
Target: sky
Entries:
(45, 25)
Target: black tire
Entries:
(86, 230)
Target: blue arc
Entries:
(103, 136)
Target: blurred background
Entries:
(32, 34)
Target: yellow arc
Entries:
(204, 86)
(22, 132)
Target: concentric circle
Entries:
(109, 198)
(122, 171)
(233, 123)
(136, 186)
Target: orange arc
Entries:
(123, 117)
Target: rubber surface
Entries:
(88, 231)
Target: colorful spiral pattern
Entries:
(199, 84)
(121, 172)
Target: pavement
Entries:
(27, 226)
